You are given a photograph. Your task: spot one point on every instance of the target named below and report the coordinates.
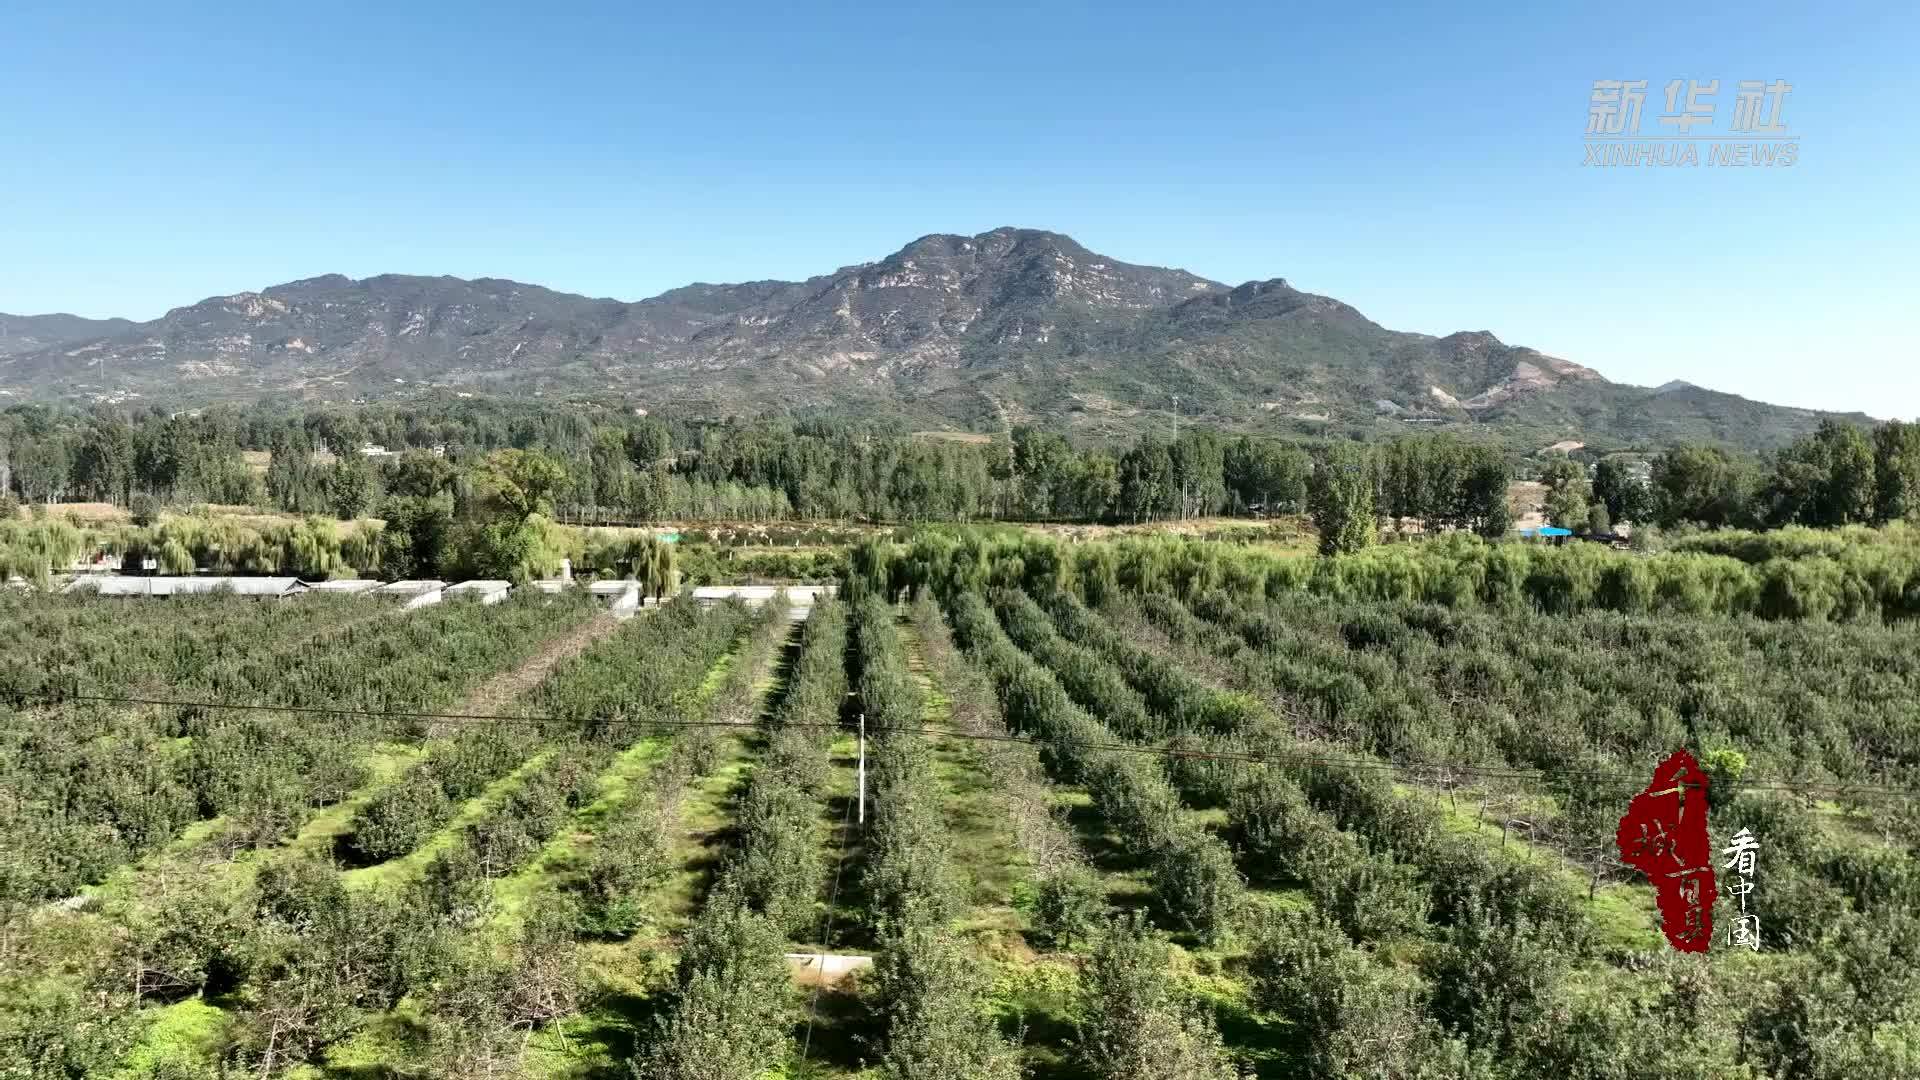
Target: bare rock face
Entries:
(1010, 323)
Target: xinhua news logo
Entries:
(1755, 135)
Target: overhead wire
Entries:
(1290, 758)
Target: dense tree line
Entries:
(1871, 577)
(49, 455)
(616, 467)
(620, 466)
(1839, 475)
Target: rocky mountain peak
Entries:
(1010, 323)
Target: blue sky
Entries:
(1424, 165)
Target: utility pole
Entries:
(863, 768)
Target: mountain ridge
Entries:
(1009, 325)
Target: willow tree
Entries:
(648, 561)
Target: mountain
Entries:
(25, 333)
(1009, 326)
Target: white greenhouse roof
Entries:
(181, 586)
(410, 588)
(482, 586)
(345, 585)
(756, 594)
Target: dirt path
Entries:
(502, 691)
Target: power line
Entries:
(1286, 759)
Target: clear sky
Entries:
(1424, 165)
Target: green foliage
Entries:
(144, 509)
(729, 1013)
(1192, 872)
(1599, 522)
(1443, 482)
(352, 488)
(1491, 978)
(400, 816)
(1896, 468)
(1849, 1016)
(315, 548)
(324, 957)
(1135, 1022)
(504, 550)
(418, 533)
(65, 1036)
(1355, 1015)
(652, 562)
(1626, 497)
(653, 669)
(515, 486)
(1343, 501)
(932, 1003)
(1567, 507)
(99, 785)
(630, 855)
(1068, 904)
(908, 875)
(1724, 769)
(485, 1004)
(1703, 484)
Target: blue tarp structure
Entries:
(1546, 530)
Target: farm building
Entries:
(801, 597)
(622, 597)
(345, 586)
(760, 594)
(410, 588)
(413, 593)
(265, 588)
(552, 586)
(487, 592)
